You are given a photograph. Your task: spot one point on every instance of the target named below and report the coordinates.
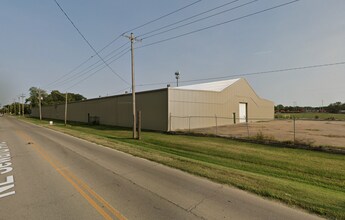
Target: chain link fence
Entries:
(329, 133)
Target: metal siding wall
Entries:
(116, 110)
(221, 104)
(154, 108)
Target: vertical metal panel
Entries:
(116, 110)
(207, 104)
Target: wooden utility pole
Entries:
(14, 106)
(66, 109)
(132, 39)
(133, 88)
(19, 105)
(39, 103)
(23, 96)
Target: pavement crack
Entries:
(196, 205)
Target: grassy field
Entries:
(314, 181)
(311, 115)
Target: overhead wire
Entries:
(252, 73)
(93, 73)
(69, 73)
(89, 69)
(197, 20)
(218, 24)
(119, 36)
(75, 75)
(163, 16)
(200, 19)
(94, 50)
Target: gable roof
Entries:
(217, 86)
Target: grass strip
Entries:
(314, 181)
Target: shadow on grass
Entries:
(126, 139)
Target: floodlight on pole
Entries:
(177, 76)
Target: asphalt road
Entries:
(48, 175)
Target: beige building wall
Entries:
(116, 110)
(198, 109)
(170, 108)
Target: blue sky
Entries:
(38, 45)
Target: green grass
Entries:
(311, 115)
(314, 181)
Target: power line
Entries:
(96, 71)
(254, 73)
(70, 72)
(201, 19)
(87, 69)
(83, 72)
(169, 25)
(57, 81)
(219, 24)
(88, 42)
(123, 52)
(161, 17)
(119, 36)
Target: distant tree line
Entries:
(336, 107)
(54, 98)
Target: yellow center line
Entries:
(99, 198)
(78, 184)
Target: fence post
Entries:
(189, 123)
(139, 125)
(216, 124)
(247, 129)
(294, 130)
(234, 117)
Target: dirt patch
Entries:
(315, 133)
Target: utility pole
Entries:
(19, 105)
(14, 106)
(66, 109)
(132, 39)
(39, 103)
(23, 96)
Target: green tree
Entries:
(279, 107)
(76, 97)
(34, 94)
(54, 98)
(335, 107)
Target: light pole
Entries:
(177, 76)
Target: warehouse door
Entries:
(243, 112)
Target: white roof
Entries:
(211, 86)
